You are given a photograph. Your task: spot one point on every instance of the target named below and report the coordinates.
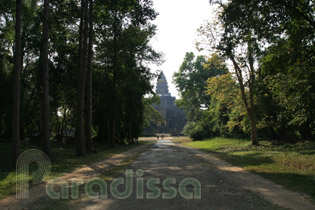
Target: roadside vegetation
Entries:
(257, 80)
(289, 165)
(74, 71)
(64, 161)
(257, 84)
(107, 176)
(73, 76)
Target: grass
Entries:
(290, 165)
(63, 161)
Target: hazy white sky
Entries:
(177, 24)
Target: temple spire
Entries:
(175, 118)
(162, 86)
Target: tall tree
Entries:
(45, 83)
(116, 34)
(80, 138)
(16, 82)
(226, 111)
(238, 43)
(128, 21)
(191, 82)
(88, 124)
(247, 100)
(287, 26)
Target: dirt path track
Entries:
(223, 186)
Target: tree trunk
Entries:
(251, 82)
(113, 114)
(130, 130)
(113, 120)
(1, 125)
(45, 83)
(88, 129)
(249, 107)
(64, 121)
(58, 125)
(16, 83)
(81, 82)
(253, 128)
(108, 130)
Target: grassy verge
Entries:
(63, 161)
(290, 165)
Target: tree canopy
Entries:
(94, 51)
(270, 46)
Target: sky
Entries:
(177, 26)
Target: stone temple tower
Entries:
(162, 86)
(174, 116)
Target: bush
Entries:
(195, 131)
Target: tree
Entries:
(251, 72)
(88, 128)
(287, 70)
(79, 55)
(6, 64)
(238, 43)
(64, 38)
(80, 138)
(191, 82)
(45, 82)
(250, 26)
(122, 52)
(151, 115)
(227, 111)
(117, 26)
(16, 82)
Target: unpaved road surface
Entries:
(165, 160)
(222, 186)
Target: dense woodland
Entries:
(74, 71)
(259, 81)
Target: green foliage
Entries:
(122, 54)
(271, 45)
(122, 32)
(151, 115)
(63, 162)
(226, 112)
(197, 132)
(191, 82)
(6, 65)
(194, 130)
(288, 71)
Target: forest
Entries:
(74, 71)
(258, 81)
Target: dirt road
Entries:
(165, 161)
(167, 176)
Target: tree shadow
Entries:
(292, 181)
(242, 160)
